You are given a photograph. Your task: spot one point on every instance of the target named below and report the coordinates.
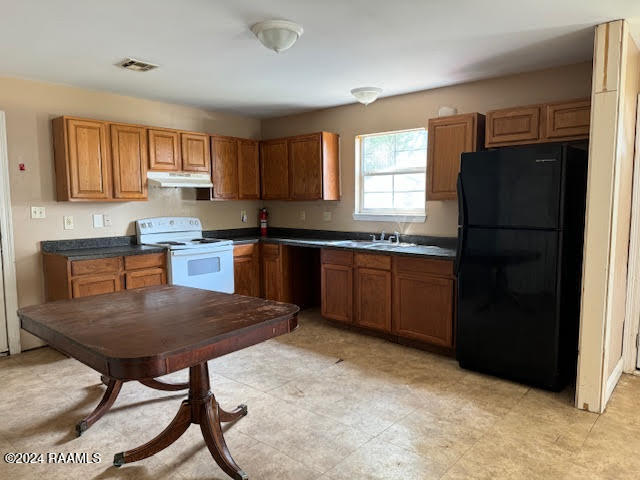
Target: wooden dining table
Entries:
(142, 334)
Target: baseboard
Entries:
(612, 381)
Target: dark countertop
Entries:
(92, 248)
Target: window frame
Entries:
(396, 215)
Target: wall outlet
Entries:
(67, 221)
(98, 221)
(303, 215)
(106, 219)
(326, 216)
(38, 212)
(243, 216)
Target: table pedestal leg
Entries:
(200, 408)
(110, 395)
(167, 387)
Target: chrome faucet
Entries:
(395, 236)
(374, 239)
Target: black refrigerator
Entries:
(519, 262)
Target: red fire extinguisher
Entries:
(263, 221)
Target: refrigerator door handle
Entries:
(462, 214)
(459, 249)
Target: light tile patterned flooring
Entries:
(324, 404)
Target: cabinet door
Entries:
(129, 154)
(95, 285)
(272, 277)
(305, 164)
(164, 150)
(89, 159)
(423, 308)
(145, 278)
(567, 120)
(449, 137)
(224, 167)
(274, 165)
(196, 155)
(246, 275)
(373, 298)
(248, 170)
(519, 125)
(337, 292)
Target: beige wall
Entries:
(29, 107)
(410, 111)
(616, 82)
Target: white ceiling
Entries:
(209, 58)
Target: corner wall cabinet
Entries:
(449, 137)
(304, 167)
(550, 122)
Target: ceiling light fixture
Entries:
(366, 95)
(278, 35)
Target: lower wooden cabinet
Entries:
(275, 267)
(246, 269)
(65, 279)
(423, 308)
(373, 298)
(337, 292)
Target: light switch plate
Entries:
(303, 215)
(98, 221)
(38, 212)
(326, 216)
(68, 222)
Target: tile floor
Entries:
(324, 404)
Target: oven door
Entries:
(205, 270)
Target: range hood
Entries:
(179, 179)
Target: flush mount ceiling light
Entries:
(277, 35)
(366, 95)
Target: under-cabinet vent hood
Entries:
(179, 179)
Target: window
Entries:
(391, 175)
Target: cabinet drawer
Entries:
(134, 262)
(337, 257)
(423, 265)
(244, 250)
(382, 262)
(145, 278)
(270, 249)
(95, 285)
(99, 265)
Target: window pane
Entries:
(409, 201)
(378, 183)
(409, 182)
(378, 200)
(414, 140)
(378, 152)
(411, 159)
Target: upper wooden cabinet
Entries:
(449, 137)
(196, 155)
(235, 169)
(99, 161)
(129, 152)
(224, 167)
(274, 168)
(552, 122)
(164, 150)
(305, 167)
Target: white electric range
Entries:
(192, 261)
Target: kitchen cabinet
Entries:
(82, 159)
(246, 269)
(552, 122)
(65, 279)
(304, 167)
(235, 170)
(449, 137)
(423, 300)
(276, 268)
(99, 161)
(336, 285)
(274, 169)
(196, 156)
(164, 150)
(129, 154)
(373, 291)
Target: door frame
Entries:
(6, 240)
(632, 315)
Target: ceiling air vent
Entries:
(136, 65)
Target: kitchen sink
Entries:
(372, 245)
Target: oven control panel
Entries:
(167, 224)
